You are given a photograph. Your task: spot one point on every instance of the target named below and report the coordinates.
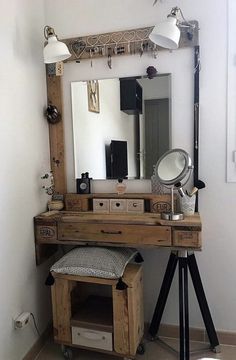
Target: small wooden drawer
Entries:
(132, 235)
(135, 206)
(92, 338)
(101, 205)
(118, 205)
(187, 238)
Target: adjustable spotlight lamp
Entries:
(55, 50)
(167, 33)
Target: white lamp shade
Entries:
(55, 51)
(166, 34)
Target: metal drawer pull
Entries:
(92, 336)
(111, 232)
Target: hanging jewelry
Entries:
(91, 55)
(109, 62)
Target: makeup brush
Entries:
(194, 191)
(199, 184)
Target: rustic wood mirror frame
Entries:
(55, 97)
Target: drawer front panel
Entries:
(116, 233)
(187, 238)
(101, 205)
(135, 206)
(92, 338)
(118, 205)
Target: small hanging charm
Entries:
(115, 49)
(109, 62)
(141, 49)
(154, 51)
(91, 55)
(128, 47)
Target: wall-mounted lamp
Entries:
(167, 33)
(55, 50)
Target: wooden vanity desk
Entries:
(133, 230)
(146, 229)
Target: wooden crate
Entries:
(76, 202)
(127, 305)
(162, 203)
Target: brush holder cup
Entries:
(187, 205)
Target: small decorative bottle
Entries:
(120, 187)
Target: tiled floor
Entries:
(154, 351)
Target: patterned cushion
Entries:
(101, 262)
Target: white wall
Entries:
(24, 157)
(93, 131)
(217, 201)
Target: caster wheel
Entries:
(67, 353)
(216, 349)
(141, 349)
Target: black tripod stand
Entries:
(186, 261)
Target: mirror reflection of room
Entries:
(131, 130)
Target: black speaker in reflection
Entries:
(117, 160)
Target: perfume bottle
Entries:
(120, 187)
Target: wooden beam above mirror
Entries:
(127, 42)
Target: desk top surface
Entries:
(135, 219)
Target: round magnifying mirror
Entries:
(171, 168)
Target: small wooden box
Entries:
(76, 202)
(118, 205)
(101, 205)
(135, 206)
(162, 203)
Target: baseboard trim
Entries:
(165, 330)
(196, 334)
(39, 344)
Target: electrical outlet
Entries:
(59, 68)
(22, 320)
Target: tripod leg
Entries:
(183, 309)
(202, 301)
(165, 288)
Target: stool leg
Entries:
(202, 301)
(162, 298)
(183, 309)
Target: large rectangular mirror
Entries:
(173, 65)
(121, 126)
